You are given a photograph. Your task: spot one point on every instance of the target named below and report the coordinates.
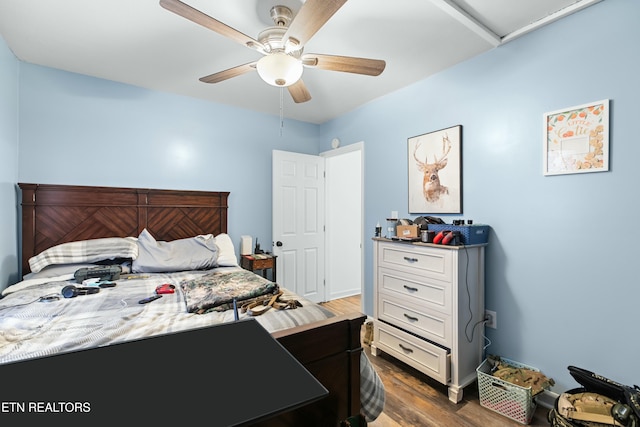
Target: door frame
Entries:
(358, 146)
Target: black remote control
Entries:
(149, 299)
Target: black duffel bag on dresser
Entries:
(599, 402)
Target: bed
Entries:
(55, 216)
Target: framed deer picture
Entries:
(435, 171)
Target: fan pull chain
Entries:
(281, 110)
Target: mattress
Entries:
(36, 321)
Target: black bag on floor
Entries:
(599, 402)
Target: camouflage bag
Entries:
(600, 402)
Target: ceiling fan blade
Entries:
(299, 92)
(346, 64)
(313, 14)
(227, 74)
(194, 15)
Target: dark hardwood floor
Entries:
(413, 399)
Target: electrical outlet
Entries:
(491, 319)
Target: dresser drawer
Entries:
(430, 293)
(423, 260)
(433, 326)
(424, 356)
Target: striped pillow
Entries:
(85, 251)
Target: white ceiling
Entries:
(140, 43)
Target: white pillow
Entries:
(226, 251)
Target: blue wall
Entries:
(81, 130)
(8, 166)
(560, 269)
(559, 266)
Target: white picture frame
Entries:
(576, 139)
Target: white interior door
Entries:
(298, 223)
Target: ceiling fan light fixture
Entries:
(279, 69)
(292, 45)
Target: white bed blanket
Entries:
(34, 325)
(31, 325)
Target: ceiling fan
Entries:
(282, 46)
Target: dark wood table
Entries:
(260, 262)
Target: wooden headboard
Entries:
(55, 214)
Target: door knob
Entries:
(278, 243)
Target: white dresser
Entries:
(428, 309)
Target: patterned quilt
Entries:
(217, 290)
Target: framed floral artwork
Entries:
(435, 171)
(576, 139)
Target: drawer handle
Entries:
(409, 288)
(408, 350)
(410, 259)
(415, 319)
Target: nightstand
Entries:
(257, 262)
